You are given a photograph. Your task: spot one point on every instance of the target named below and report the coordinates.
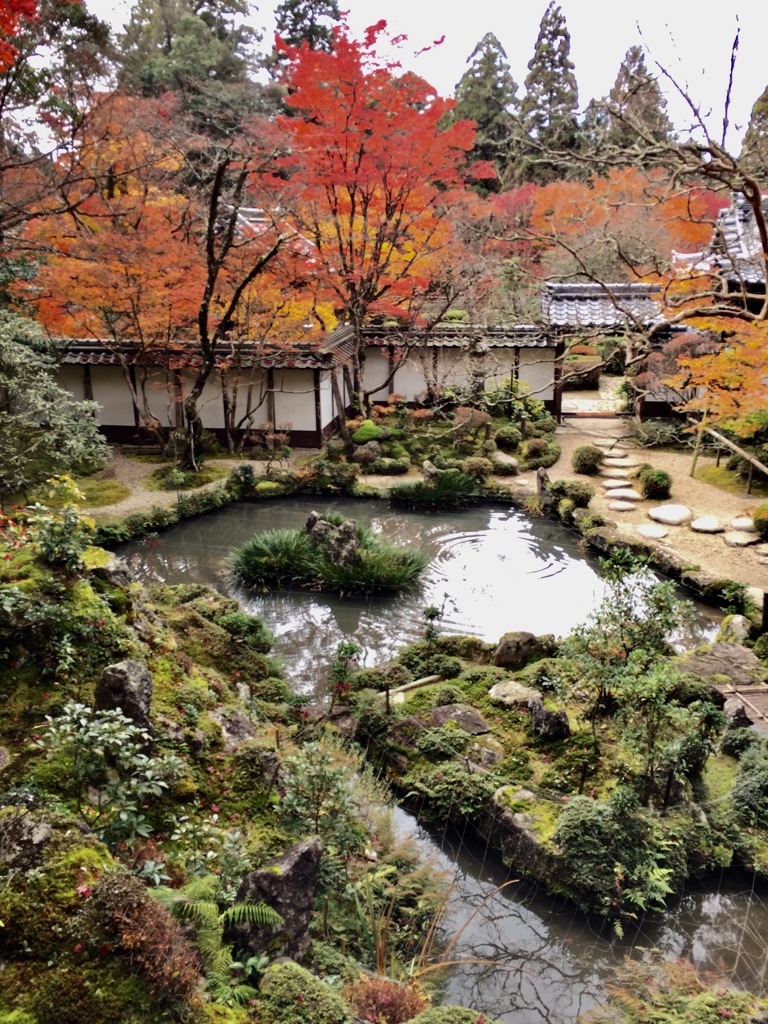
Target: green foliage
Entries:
(535, 456)
(367, 431)
(577, 491)
(425, 659)
(285, 558)
(291, 995)
(477, 467)
(450, 792)
(750, 790)
(659, 433)
(443, 695)
(655, 483)
(59, 530)
(508, 438)
(112, 779)
(450, 1015)
(587, 459)
(449, 489)
(442, 743)
(318, 801)
(760, 519)
(389, 466)
(611, 856)
(43, 430)
(249, 629)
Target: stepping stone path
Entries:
(620, 462)
(743, 523)
(626, 494)
(652, 532)
(671, 515)
(707, 524)
(617, 474)
(740, 538)
(613, 484)
(622, 506)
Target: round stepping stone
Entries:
(671, 515)
(625, 494)
(622, 506)
(740, 538)
(651, 531)
(707, 524)
(615, 474)
(620, 462)
(743, 523)
(610, 484)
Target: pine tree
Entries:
(548, 110)
(755, 150)
(487, 95)
(636, 101)
(304, 21)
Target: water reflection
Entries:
(491, 570)
(550, 962)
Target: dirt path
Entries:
(745, 565)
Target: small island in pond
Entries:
(332, 555)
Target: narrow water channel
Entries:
(491, 570)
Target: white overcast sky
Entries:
(692, 41)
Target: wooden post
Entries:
(697, 447)
(749, 478)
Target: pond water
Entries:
(550, 962)
(491, 570)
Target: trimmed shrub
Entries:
(449, 489)
(291, 995)
(655, 483)
(735, 741)
(442, 695)
(367, 431)
(504, 468)
(508, 438)
(587, 459)
(760, 519)
(565, 510)
(381, 999)
(390, 467)
(477, 467)
(534, 457)
(577, 491)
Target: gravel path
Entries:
(745, 565)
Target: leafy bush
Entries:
(577, 491)
(655, 483)
(735, 742)
(390, 466)
(504, 468)
(534, 457)
(760, 519)
(659, 433)
(450, 1015)
(587, 459)
(451, 793)
(367, 431)
(425, 659)
(380, 999)
(565, 509)
(442, 743)
(449, 489)
(508, 438)
(442, 695)
(249, 629)
(286, 558)
(750, 790)
(477, 467)
(291, 995)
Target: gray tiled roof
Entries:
(736, 246)
(460, 335)
(600, 305)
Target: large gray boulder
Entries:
(517, 648)
(23, 840)
(550, 725)
(126, 686)
(463, 716)
(724, 664)
(288, 885)
(513, 694)
(236, 726)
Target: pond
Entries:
(491, 570)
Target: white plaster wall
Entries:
(112, 394)
(327, 408)
(71, 378)
(160, 397)
(259, 402)
(376, 370)
(295, 398)
(537, 369)
(410, 379)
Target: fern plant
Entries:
(199, 903)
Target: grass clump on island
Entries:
(281, 559)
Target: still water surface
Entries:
(491, 570)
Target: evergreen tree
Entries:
(487, 95)
(636, 102)
(548, 110)
(305, 21)
(755, 151)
